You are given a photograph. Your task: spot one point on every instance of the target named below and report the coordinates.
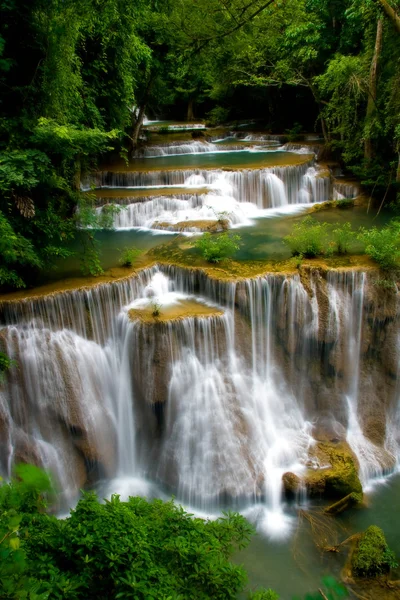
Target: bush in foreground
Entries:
(136, 549)
(215, 248)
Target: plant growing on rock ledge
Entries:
(383, 245)
(128, 255)
(215, 248)
(309, 238)
(155, 309)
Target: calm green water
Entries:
(295, 567)
(235, 159)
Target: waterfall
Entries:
(343, 190)
(180, 148)
(214, 400)
(346, 294)
(237, 193)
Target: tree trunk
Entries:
(138, 125)
(190, 112)
(373, 77)
(391, 13)
(317, 100)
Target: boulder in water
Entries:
(291, 484)
(332, 471)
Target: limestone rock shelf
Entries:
(181, 309)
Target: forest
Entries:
(76, 79)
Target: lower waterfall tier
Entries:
(224, 393)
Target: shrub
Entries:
(343, 236)
(6, 363)
(309, 238)
(155, 309)
(128, 256)
(217, 116)
(383, 245)
(214, 248)
(372, 555)
(294, 134)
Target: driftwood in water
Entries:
(347, 502)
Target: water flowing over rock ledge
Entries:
(215, 408)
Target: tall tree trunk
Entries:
(190, 111)
(373, 77)
(138, 122)
(319, 103)
(138, 125)
(391, 13)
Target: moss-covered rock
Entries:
(332, 471)
(372, 555)
(291, 484)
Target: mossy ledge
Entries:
(183, 309)
(176, 254)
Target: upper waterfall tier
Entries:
(275, 186)
(215, 407)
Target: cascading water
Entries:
(177, 149)
(214, 403)
(242, 195)
(346, 321)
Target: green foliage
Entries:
(24, 496)
(69, 141)
(309, 238)
(372, 555)
(215, 248)
(294, 134)
(343, 236)
(128, 256)
(90, 258)
(217, 116)
(263, 595)
(15, 251)
(155, 309)
(135, 549)
(22, 170)
(6, 363)
(383, 245)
